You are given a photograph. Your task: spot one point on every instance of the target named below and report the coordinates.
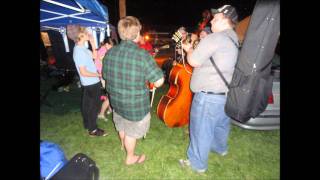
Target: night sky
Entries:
(166, 14)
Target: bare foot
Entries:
(136, 160)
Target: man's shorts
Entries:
(135, 129)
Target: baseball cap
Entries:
(229, 11)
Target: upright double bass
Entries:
(174, 107)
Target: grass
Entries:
(252, 154)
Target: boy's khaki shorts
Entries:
(135, 129)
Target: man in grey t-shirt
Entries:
(209, 125)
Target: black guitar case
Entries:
(251, 83)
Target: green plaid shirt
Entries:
(126, 69)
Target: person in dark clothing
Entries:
(64, 60)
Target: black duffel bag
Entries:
(80, 167)
(248, 95)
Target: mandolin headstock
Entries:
(177, 36)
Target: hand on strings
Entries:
(194, 37)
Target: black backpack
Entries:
(80, 167)
(251, 82)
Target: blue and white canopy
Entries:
(57, 14)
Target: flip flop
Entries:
(137, 161)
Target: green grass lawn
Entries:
(252, 154)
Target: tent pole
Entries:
(64, 5)
(108, 30)
(80, 6)
(94, 34)
(65, 38)
(102, 34)
(53, 28)
(70, 15)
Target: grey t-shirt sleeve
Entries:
(205, 48)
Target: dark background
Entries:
(163, 15)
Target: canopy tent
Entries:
(58, 14)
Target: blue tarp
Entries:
(58, 13)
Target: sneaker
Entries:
(187, 163)
(109, 111)
(200, 171)
(184, 163)
(101, 130)
(97, 132)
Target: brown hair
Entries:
(108, 40)
(129, 28)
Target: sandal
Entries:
(138, 160)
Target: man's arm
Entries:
(153, 73)
(84, 72)
(189, 50)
